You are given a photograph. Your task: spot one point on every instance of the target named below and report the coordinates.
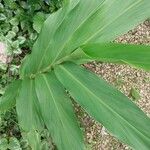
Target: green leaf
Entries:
(10, 4)
(27, 105)
(45, 145)
(14, 144)
(135, 55)
(2, 17)
(135, 94)
(10, 35)
(21, 39)
(8, 100)
(81, 22)
(33, 2)
(66, 1)
(58, 113)
(38, 21)
(14, 22)
(3, 144)
(34, 140)
(15, 29)
(107, 105)
(1, 7)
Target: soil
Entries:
(125, 78)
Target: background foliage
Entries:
(20, 23)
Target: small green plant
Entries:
(135, 94)
(80, 32)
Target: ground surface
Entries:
(124, 78)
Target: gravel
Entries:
(124, 78)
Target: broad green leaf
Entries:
(58, 113)
(136, 55)
(107, 105)
(8, 100)
(27, 106)
(66, 1)
(81, 22)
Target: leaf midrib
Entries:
(120, 116)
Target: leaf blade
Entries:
(38, 21)
(34, 140)
(27, 106)
(56, 41)
(58, 113)
(136, 55)
(107, 105)
(8, 100)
